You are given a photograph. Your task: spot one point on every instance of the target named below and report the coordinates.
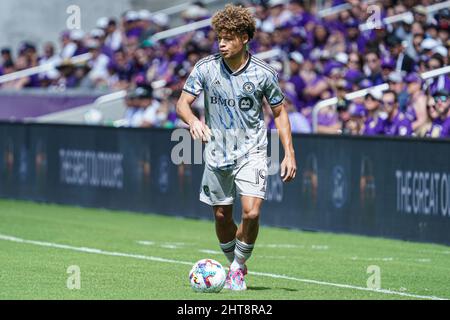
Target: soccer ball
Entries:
(207, 275)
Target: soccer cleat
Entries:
(235, 280)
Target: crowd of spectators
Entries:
(323, 58)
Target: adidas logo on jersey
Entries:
(216, 83)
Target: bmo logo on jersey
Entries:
(245, 103)
(222, 102)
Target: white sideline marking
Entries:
(282, 245)
(169, 246)
(165, 245)
(293, 246)
(210, 251)
(90, 250)
(146, 243)
(319, 247)
(373, 259)
(158, 259)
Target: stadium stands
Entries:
(329, 53)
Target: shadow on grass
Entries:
(289, 289)
(268, 288)
(258, 288)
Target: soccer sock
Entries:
(242, 253)
(228, 249)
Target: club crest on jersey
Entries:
(248, 87)
(245, 103)
(206, 190)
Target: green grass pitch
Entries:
(143, 256)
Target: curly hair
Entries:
(235, 20)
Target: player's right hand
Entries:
(199, 130)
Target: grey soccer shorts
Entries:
(247, 178)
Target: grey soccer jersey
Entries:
(233, 106)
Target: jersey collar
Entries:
(238, 72)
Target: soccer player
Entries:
(234, 83)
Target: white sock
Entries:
(242, 253)
(228, 249)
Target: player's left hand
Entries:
(288, 168)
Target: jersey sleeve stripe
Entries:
(264, 63)
(276, 104)
(190, 92)
(265, 67)
(207, 59)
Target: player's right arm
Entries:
(192, 88)
(198, 129)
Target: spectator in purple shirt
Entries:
(441, 82)
(373, 64)
(315, 84)
(78, 37)
(442, 105)
(387, 66)
(320, 36)
(354, 63)
(295, 61)
(8, 67)
(100, 36)
(417, 102)
(434, 124)
(299, 123)
(357, 115)
(397, 124)
(355, 41)
(6, 56)
(374, 124)
(333, 119)
(395, 82)
(131, 22)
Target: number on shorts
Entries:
(260, 174)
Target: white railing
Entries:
(406, 16)
(361, 93)
(82, 58)
(181, 29)
(337, 9)
(181, 7)
(333, 10)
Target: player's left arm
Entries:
(288, 165)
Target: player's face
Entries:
(231, 45)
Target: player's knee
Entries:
(222, 215)
(250, 214)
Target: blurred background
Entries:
(346, 67)
(41, 22)
(366, 86)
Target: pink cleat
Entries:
(235, 280)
